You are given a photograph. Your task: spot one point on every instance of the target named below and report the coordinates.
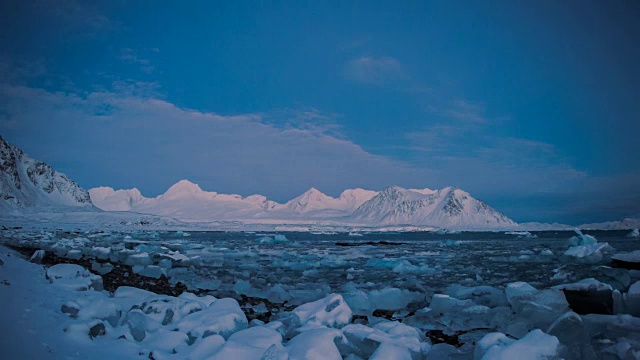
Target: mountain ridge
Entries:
(391, 206)
(29, 183)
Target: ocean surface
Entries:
(313, 264)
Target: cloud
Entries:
(62, 20)
(128, 135)
(475, 158)
(464, 110)
(375, 70)
(120, 139)
(131, 56)
(306, 118)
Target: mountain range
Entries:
(29, 185)
(186, 201)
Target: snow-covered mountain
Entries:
(321, 205)
(625, 224)
(116, 200)
(449, 207)
(29, 183)
(184, 200)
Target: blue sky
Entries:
(531, 106)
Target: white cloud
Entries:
(474, 157)
(131, 56)
(124, 140)
(465, 111)
(375, 70)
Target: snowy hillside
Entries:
(626, 224)
(29, 183)
(449, 207)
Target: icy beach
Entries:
(202, 295)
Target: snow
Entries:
(625, 224)
(315, 201)
(449, 207)
(121, 200)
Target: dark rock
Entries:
(71, 309)
(590, 301)
(387, 314)
(97, 330)
(167, 317)
(630, 265)
(438, 337)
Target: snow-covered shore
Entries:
(63, 311)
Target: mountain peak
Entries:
(448, 207)
(182, 188)
(313, 191)
(309, 200)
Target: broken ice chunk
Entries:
(223, 317)
(515, 290)
(632, 300)
(138, 259)
(152, 271)
(316, 344)
(74, 277)
(37, 257)
(536, 345)
(572, 333)
(441, 303)
(250, 343)
(331, 311)
(392, 298)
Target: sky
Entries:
(531, 106)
